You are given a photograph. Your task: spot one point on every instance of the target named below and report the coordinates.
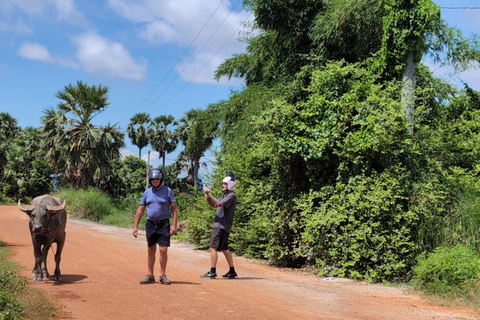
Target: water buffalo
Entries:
(48, 219)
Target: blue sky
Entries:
(156, 56)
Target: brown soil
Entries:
(102, 266)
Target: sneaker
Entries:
(148, 279)
(230, 275)
(164, 279)
(209, 275)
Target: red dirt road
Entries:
(102, 266)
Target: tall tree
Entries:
(197, 131)
(162, 137)
(81, 150)
(412, 29)
(8, 131)
(137, 131)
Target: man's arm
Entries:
(138, 216)
(173, 227)
(212, 201)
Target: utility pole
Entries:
(148, 166)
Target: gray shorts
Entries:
(219, 239)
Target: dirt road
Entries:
(102, 266)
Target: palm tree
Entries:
(162, 138)
(81, 150)
(137, 131)
(197, 132)
(8, 131)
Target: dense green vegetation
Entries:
(17, 299)
(352, 158)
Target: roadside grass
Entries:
(17, 299)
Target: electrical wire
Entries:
(179, 59)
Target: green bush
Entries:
(200, 220)
(17, 299)
(448, 270)
(88, 203)
(10, 308)
(124, 213)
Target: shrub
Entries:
(89, 203)
(448, 270)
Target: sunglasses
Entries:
(155, 179)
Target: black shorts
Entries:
(219, 239)
(158, 232)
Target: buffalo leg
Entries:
(57, 276)
(37, 270)
(44, 261)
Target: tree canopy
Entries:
(79, 149)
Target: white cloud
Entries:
(31, 7)
(125, 152)
(179, 22)
(101, 56)
(16, 27)
(65, 10)
(35, 51)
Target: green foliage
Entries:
(80, 150)
(405, 29)
(199, 223)
(349, 29)
(123, 214)
(8, 131)
(88, 203)
(17, 300)
(252, 226)
(281, 48)
(335, 180)
(448, 270)
(162, 136)
(197, 130)
(126, 177)
(361, 229)
(11, 286)
(137, 131)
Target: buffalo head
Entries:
(40, 214)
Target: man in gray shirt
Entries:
(222, 226)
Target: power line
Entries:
(204, 66)
(198, 52)
(179, 59)
(461, 8)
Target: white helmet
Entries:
(230, 181)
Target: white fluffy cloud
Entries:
(35, 51)
(101, 56)
(211, 29)
(104, 44)
(63, 10)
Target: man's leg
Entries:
(213, 257)
(163, 259)
(229, 257)
(151, 259)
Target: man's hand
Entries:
(135, 231)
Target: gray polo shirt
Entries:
(225, 214)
